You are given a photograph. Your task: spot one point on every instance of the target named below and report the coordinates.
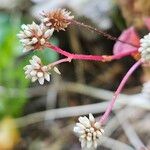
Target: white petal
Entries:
(95, 144)
(34, 40)
(25, 41)
(28, 33)
(34, 79)
(41, 80)
(48, 33)
(33, 62)
(42, 41)
(84, 121)
(48, 24)
(98, 134)
(76, 129)
(21, 36)
(44, 68)
(27, 67)
(24, 27)
(57, 70)
(89, 144)
(40, 75)
(36, 58)
(47, 76)
(83, 136)
(39, 32)
(27, 76)
(89, 138)
(91, 118)
(102, 131)
(83, 143)
(45, 19)
(80, 125)
(97, 125)
(33, 73)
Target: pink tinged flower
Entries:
(129, 36)
(36, 71)
(89, 131)
(34, 36)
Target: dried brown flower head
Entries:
(57, 19)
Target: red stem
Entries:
(59, 62)
(89, 57)
(75, 56)
(105, 116)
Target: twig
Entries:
(100, 32)
(114, 144)
(130, 132)
(62, 113)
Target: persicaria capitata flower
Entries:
(145, 47)
(34, 36)
(37, 71)
(58, 19)
(89, 131)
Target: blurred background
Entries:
(34, 117)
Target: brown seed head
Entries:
(57, 19)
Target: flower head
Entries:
(34, 36)
(145, 47)
(36, 71)
(89, 131)
(57, 19)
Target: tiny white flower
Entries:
(36, 71)
(145, 47)
(34, 36)
(89, 131)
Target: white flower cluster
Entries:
(145, 47)
(89, 131)
(34, 36)
(36, 71)
(146, 89)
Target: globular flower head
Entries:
(37, 71)
(89, 131)
(34, 36)
(145, 47)
(57, 19)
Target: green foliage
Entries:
(12, 78)
(11, 72)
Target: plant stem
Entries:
(123, 54)
(59, 62)
(75, 56)
(105, 116)
(100, 32)
(102, 58)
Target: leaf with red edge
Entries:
(147, 23)
(129, 36)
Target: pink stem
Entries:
(89, 57)
(75, 56)
(123, 54)
(105, 116)
(59, 62)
